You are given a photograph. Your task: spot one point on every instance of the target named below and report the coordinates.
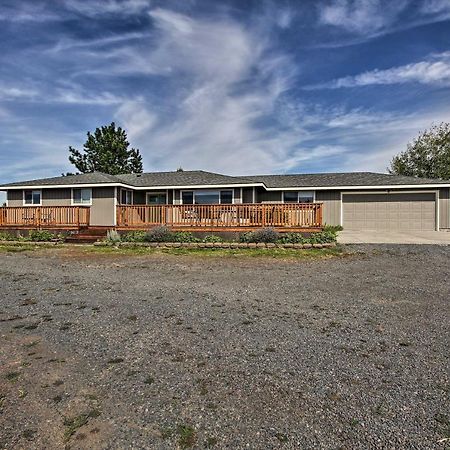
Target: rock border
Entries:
(227, 245)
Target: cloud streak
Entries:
(435, 71)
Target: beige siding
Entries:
(102, 210)
(444, 208)
(56, 197)
(15, 198)
(331, 206)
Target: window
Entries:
(32, 197)
(298, 197)
(156, 198)
(126, 197)
(81, 196)
(187, 198)
(207, 197)
(226, 197)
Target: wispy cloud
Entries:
(93, 8)
(361, 16)
(435, 71)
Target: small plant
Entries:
(159, 234)
(184, 236)
(264, 235)
(113, 237)
(134, 236)
(41, 236)
(7, 237)
(333, 228)
(74, 423)
(292, 238)
(187, 436)
(212, 238)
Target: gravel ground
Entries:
(162, 351)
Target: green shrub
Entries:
(292, 238)
(212, 238)
(41, 236)
(7, 237)
(323, 237)
(184, 236)
(159, 234)
(134, 236)
(265, 235)
(333, 228)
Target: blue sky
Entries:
(239, 87)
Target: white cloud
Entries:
(361, 16)
(8, 92)
(435, 71)
(94, 8)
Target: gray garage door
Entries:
(389, 211)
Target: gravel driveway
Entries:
(163, 351)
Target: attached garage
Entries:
(389, 211)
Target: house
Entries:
(208, 201)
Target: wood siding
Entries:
(263, 196)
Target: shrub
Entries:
(41, 236)
(333, 228)
(184, 236)
(134, 236)
(113, 237)
(265, 235)
(7, 237)
(159, 234)
(212, 238)
(292, 238)
(322, 237)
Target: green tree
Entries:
(106, 150)
(427, 156)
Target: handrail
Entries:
(295, 215)
(44, 216)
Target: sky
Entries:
(237, 87)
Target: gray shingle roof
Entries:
(184, 178)
(202, 178)
(84, 178)
(340, 179)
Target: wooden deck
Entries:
(240, 217)
(32, 217)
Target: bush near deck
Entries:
(263, 235)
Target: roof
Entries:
(83, 178)
(181, 178)
(202, 178)
(340, 179)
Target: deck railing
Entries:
(44, 216)
(254, 215)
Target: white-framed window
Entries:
(298, 196)
(126, 197)
(207, 197)
(156, 198)
(32, 197)
(82, 196)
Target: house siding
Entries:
(15, 198)
(444, 208)
(102, 210)
(331, 206)
(247, 195)
(263, 196)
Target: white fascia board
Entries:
(343, 188)
(229, 186)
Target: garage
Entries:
(389, 211)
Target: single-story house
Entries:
(356, 200)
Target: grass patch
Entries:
(187, 436)
(12, 377)
(74, 423)
(312, 253)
